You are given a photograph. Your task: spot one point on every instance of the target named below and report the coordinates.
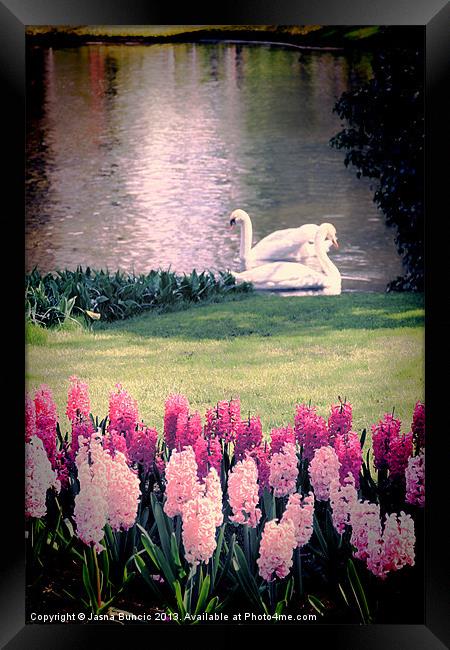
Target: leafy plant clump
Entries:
(385, 141)
(52, 299)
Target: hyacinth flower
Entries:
(278, 541)
(382, 433)
(30, 419)
(366, 525)
(46, 419)
(222, 421)
(284, 470)
(188, 429)
(323, 471)
(311, 430)
(348, 449)
(123, 412)
(109, 492)
(78, 402)
(39, 478)
(415, 480)
(182, 481)
(208, 453)
(400, 450)
(142, 447)
(243, 493)
(300, 510)
(174, 406)
(418, 426)
(393, 548)
(248, 436)
(340, 420)
(279, 436)
(261, 456)
(343, 499)
(201, 516)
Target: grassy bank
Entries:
(315, 36)
(269, 350)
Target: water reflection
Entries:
(137, 155)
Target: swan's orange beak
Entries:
(334, 241)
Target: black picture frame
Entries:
(434, 16)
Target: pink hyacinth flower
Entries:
(284, 470)
(182, 482)
(300, 510)
(78, 402)
(415, 480)
(278, 541)
(39, 478)
(243, 493)
(323, 471)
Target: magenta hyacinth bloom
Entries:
(248, 436)
(340, 420)
(382, 433)
(400, 450)
(188, 429)
(78, 402)
(173, 407)
(311, 430)
(222, 421)
(279, 436)
(123, 411)
(418, 425)
(142, 446)
(208, 453)
(30, 419)
(46, 419)
(261, 456)
(348, 449)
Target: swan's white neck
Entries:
(327, 265)
(246, 237)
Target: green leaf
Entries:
(203, 595)
(358, 592)
(179, 598)
(317, 604)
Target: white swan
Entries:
(288, 244)
(292, 275)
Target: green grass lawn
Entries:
(271, 351)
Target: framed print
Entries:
(233, 264)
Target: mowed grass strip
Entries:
(271, 351)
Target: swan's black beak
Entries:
(334, 241)
(232, 222)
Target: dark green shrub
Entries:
(384, 141)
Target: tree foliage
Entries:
(384, 140)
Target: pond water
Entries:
(136, 155)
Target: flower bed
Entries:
(215, 517)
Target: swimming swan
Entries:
(292, 275)
(288, 244)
